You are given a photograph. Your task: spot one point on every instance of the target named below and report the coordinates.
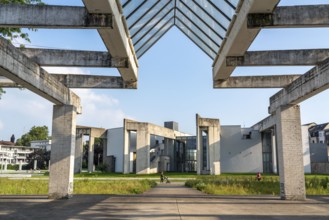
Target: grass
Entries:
(120, 175)
(86, 186)
(248, 185)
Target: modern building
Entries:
(15, 155)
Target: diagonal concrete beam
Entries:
(273, 81)
(46, 16)
(311, 83)
(308, 57)
(93, 81)
(292, 17)
(50, 57)
(17, 67)
(239, 37)
(116, 40)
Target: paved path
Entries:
(166, 201)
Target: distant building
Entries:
(41, 144)
(318, 133)
(11, 154)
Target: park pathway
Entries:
(166, 201)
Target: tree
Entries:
(42, 156)
(13, 33)
(35, 133)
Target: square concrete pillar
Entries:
(78, 151)
(290, 153)
(211, 127)
(62, 152)
(143, 150)
(126, 150)
(214, 147)
(91, 154)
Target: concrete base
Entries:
(62, 152)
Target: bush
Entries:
(102, 167)
(12, 166)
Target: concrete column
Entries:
(143, 150)
(91, 153)
(290, 154)
(62, 152)
(6, 165)
(214, 149)
(35, 164)
(199, 153)
(78, 152)
(126, 150)
(20, 165)
(274, 152)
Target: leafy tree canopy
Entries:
(36, 133)
(13, 33)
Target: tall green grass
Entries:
(246, 185)
(87, 186)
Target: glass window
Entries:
(205, 22)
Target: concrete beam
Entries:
(292, 17)
(116, 40)
(239, 37)
(153, 129)
(273, 81)
(50, 57)
(93, 81)
(311, 83)
(20, 69)
(308, 57)
(47, 16)
(265, 124)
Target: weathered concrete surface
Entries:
(53, 57)
(143, 132)
(47, 16)
(7, 83)
(311, 83)
(116, 40)
(239, 37)
(265, 124)
(290, 153)
(292, 17)
(212, 128)
(273, 81)
(93, 81)
(17, 67)
(62, 152)
(167, 201)
(309, 57)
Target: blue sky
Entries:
(175, 83)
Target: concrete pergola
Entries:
(224, 30)
(143, 136)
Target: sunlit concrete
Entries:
(212, 129)
(116, 40)
(239, 37)
(301, 16)
(272, 81)
(48, 16)
(290, 153)
(62, 152)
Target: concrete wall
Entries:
(115, 146)
(318, 153)
(237, 154)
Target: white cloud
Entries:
(99, 110)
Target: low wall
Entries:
(320, 168)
